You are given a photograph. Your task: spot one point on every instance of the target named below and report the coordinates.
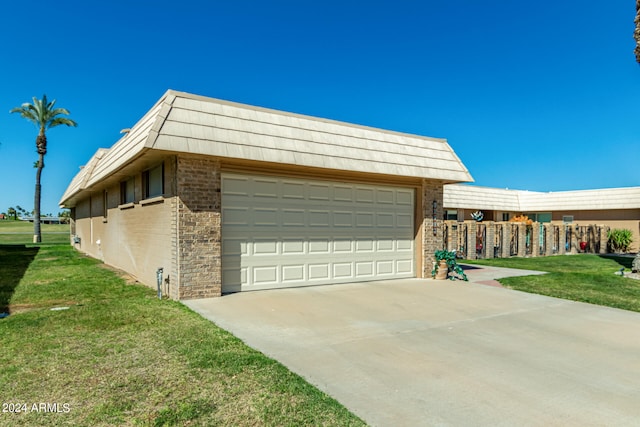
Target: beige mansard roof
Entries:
(474, 197)
(186, 123)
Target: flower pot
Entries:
(442, 271)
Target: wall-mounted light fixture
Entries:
(435, 222)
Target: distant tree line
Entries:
(18, 212)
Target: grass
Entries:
(21, 232)
(584, 277)
(120, 356)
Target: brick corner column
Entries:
(199, 229)
(431, 241)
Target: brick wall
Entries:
(431, 242)
(198, 228)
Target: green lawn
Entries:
(584, 277)
(21, 232)
(120, 356)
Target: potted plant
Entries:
(446, 262)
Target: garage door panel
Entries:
(404, 221)
(319, 192)
(289, 232)
(342, 245)
(385, 196)
(404, 266)
(364, 219)
(384, 268)
(235, 216)
(342, 270)
(234, 247)
(384, 220)
(319, 271)
(293, 247)
(317, 246)
(404, 245)
(293, 217)
(266, 188)
(236, 186)
(404, 197)
(343, 194)
(265, 275)
(384, 245)
(264, 217)
(365, 269)
(343, 219)
(265, 247)
(319, 218)
(293, 273)
(293, 190)
(364, 195)
(365, 246)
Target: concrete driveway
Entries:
(424, 352)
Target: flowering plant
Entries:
(522, 218)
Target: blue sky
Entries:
(531, 95)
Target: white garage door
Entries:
(281, 232)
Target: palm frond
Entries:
(43, 113)
(62, 121)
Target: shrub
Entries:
(619, 239)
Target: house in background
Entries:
(611, 207)
(226, 197)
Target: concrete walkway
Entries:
(447, 353)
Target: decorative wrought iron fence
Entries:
(507, 239)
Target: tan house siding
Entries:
(135, 237)
(198, 227)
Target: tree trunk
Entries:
(636, 33)
(37, 235)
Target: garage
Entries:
(288, 232)
(226, 197)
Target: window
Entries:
(540, 217)
(153, 182)
(451, 215)
(567, 218)
(127, 193)
(105, 201)
(505, 216)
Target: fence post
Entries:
(573, 246)
(522, 240)
(535, 239)
(506, 240)
(604, 231)
(562, 240)
(490, 233)
(472, 229)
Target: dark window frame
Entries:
(128, 195)
(149, 186)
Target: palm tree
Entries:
(11, 212)
(42, 114)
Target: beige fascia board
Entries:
(161, 117)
